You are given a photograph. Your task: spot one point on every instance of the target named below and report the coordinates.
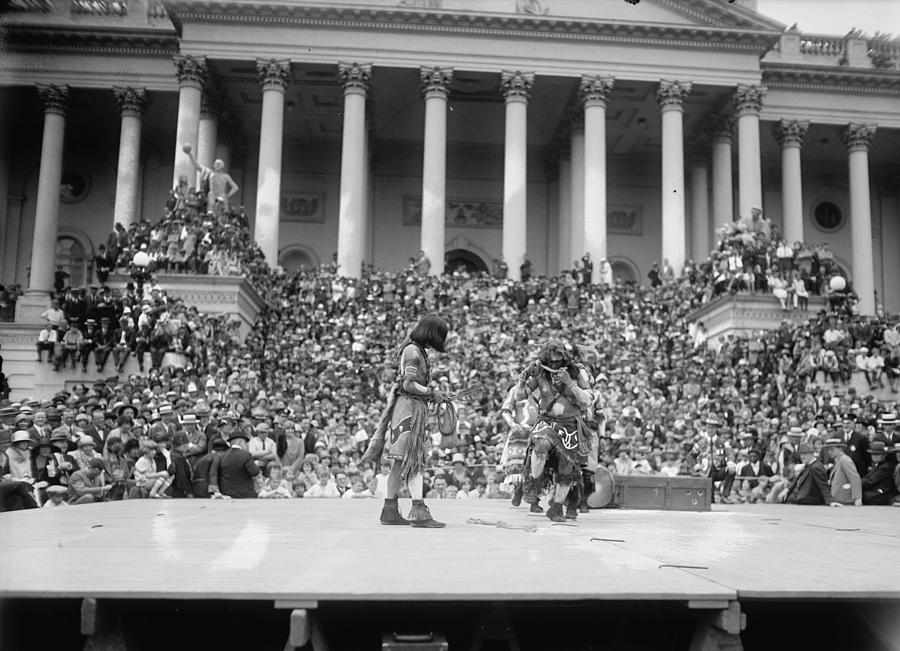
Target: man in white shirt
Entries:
(261, 447)
(54, 315)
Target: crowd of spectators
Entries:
(296, 402)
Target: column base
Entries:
(30, 306)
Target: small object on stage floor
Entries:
(408, 642)
(500, 524)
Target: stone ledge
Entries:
(746, 313)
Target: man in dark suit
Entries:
(103, 342)
(878, 484)
(810, 486)
(856, 444)
(231, 473)
(756, 468)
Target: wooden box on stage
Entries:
(663, 493)
(427, 642)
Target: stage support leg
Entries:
(495, 625)
(103, 626)
(304, 627)
(720, 630)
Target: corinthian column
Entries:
(191, 73)
(565, 205)
(699, 201)
(858, 138)
(273, 76)
(352, 222)
(790, 135)
(46, 217)
(516, 88)
(576, 206)
(671, 95)
(748, 104)
(722, 192)
(132, 104)
(594, 94)
(208, 130)
(436, 84)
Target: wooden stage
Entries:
(303, 554)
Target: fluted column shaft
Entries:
(748, 104)
(46, 218)
(722, 190)
(435, 84)
(699, 209)
(790, 134)
(132, 104)
(576, 232)
(352, 223)
(516, 87)
(858, 138)
(274, 76)
(192, 74)
(671, 97)
(594, 94)
(565, 209)
(208, 131)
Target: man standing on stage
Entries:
(404, 417)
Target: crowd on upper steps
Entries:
(303, 392)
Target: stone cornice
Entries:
(528, 26)
(97, 40)
(831, 78)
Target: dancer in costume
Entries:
(520, 415)
(404, 418)
(560, 440)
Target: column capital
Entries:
(595, 89)
(671, 94)
(190, 70)
(55, 98)
(790, 133)
(697, 149)
(355, 76)
(748, 99)
(435, 79)
(273, 74)
(516, 84)
(721, 129)
(858, 137)
(133, 102)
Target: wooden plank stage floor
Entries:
(335, 550)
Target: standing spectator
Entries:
(232, 474)
(856, 444)
(878, 484)
(200, 481)
(846, 487)
(183, 476)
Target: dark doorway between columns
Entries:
(460, 259)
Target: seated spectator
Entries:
(275, 486)
(56, 496)
(323, 487)
(150, 481)
(86, 486)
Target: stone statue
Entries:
(221, 186)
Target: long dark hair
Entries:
(430, 332)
